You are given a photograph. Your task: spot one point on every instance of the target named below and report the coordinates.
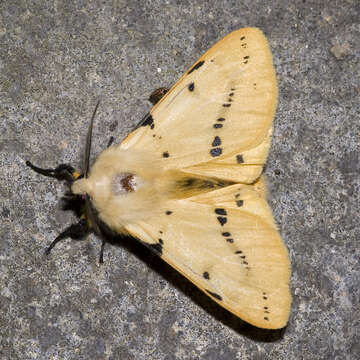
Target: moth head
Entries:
(114, 185)
(109, 177)
(81, 187)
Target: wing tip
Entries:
(250, 30)
(271, 322)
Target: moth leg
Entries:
(75, 231)
(157, 95)
(62, 172)
(111, 140)
(101, 256)
(154, 98)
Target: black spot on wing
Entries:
(220, 211)
(242, 258)
(157, 248)
(226, 234)
(218, 126)
(240, 203)
(165, 154)
(149, 121)
(222, 220)
(239, 159)
(196, 66)
(168, 212)
(266, 308)
(216, 141)
(230, 99)
(216, 152)
(214, 295)
(206, 275)
(191, 87)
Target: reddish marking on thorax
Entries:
(128, 182)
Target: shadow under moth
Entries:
(187, 181)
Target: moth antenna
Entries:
(88, 142)
(89, 210)
(74, 231)
(111, 140)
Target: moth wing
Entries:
(218, 114)
(226, 243)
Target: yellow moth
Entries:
(187, 181)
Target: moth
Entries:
(187, 182)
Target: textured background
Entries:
(56, 59)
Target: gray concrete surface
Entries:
(56, 59)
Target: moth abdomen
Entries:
(191, 185)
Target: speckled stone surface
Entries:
(56, 59)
